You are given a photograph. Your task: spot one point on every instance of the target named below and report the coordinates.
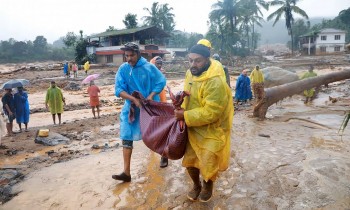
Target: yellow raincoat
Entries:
(86, 66)
(256, 76)
(309, 93)
(208, 115)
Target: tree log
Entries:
(277, 93)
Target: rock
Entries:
(95, 146)
(275, 76)
(6, 176)
(72, 86)
(52, 140)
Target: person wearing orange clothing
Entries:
(93, 91)
(158, 62)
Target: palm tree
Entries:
(160, 16)
(227, 9)
(287, 8)
(153, 18)
(166, 18)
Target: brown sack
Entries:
(161, 131)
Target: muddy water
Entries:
(303, 164)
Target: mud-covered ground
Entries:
(295, 159)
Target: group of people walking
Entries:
(208, 111)
(70, 67)
(15, 106)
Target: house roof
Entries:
(140, 32)
(331, 30)
(325, 30)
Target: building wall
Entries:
(116, 59)
(330, 43)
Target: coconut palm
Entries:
(160, 16)
(167, 18)
(153, 18)
(287, 8)
(228, 9)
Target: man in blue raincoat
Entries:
(137, 74)
(243, 89)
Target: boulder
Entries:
(52, 140)
(275, 76)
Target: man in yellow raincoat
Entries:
(208, 113)
(86, 66)
(257, 81)
(54, 102)
(309, 94)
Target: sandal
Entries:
(122, 177)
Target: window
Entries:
(337, 49)
(323, 49)
(109, 58)
(323, 37)
(336, 37)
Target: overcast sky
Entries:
(26, 19)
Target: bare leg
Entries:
(54, 118)
(59, 118)
(127, 159)
(20, 127)
(9, 129)
(26, 126)
(98, 111)
(93, 111)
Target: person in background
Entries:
(136, 74)
(257, 81)
(22, 108)
(309, 94)
(243, 89)
(75, 70)
(217, 57)
(208, 114)
(86, 67)
(54, 102)
(69, 69)
(93, 92)
(8, 106)
(158, 62)
(65, 70)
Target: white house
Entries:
(325, 41)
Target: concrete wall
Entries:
(330, 43)
(117, 59)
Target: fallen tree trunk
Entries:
(277, 93)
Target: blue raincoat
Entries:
(243, 90)
(22, 107)
(143, 77)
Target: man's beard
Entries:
(198, 71)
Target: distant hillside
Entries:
(278, 33)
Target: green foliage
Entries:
(232, 25)
(299, 27)
(110, 28)
(160, 15)
(40, 44)
(287, 8)
(70, 39)
(13, 51)
(80, 51)
(344, 16)
(130, 21)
